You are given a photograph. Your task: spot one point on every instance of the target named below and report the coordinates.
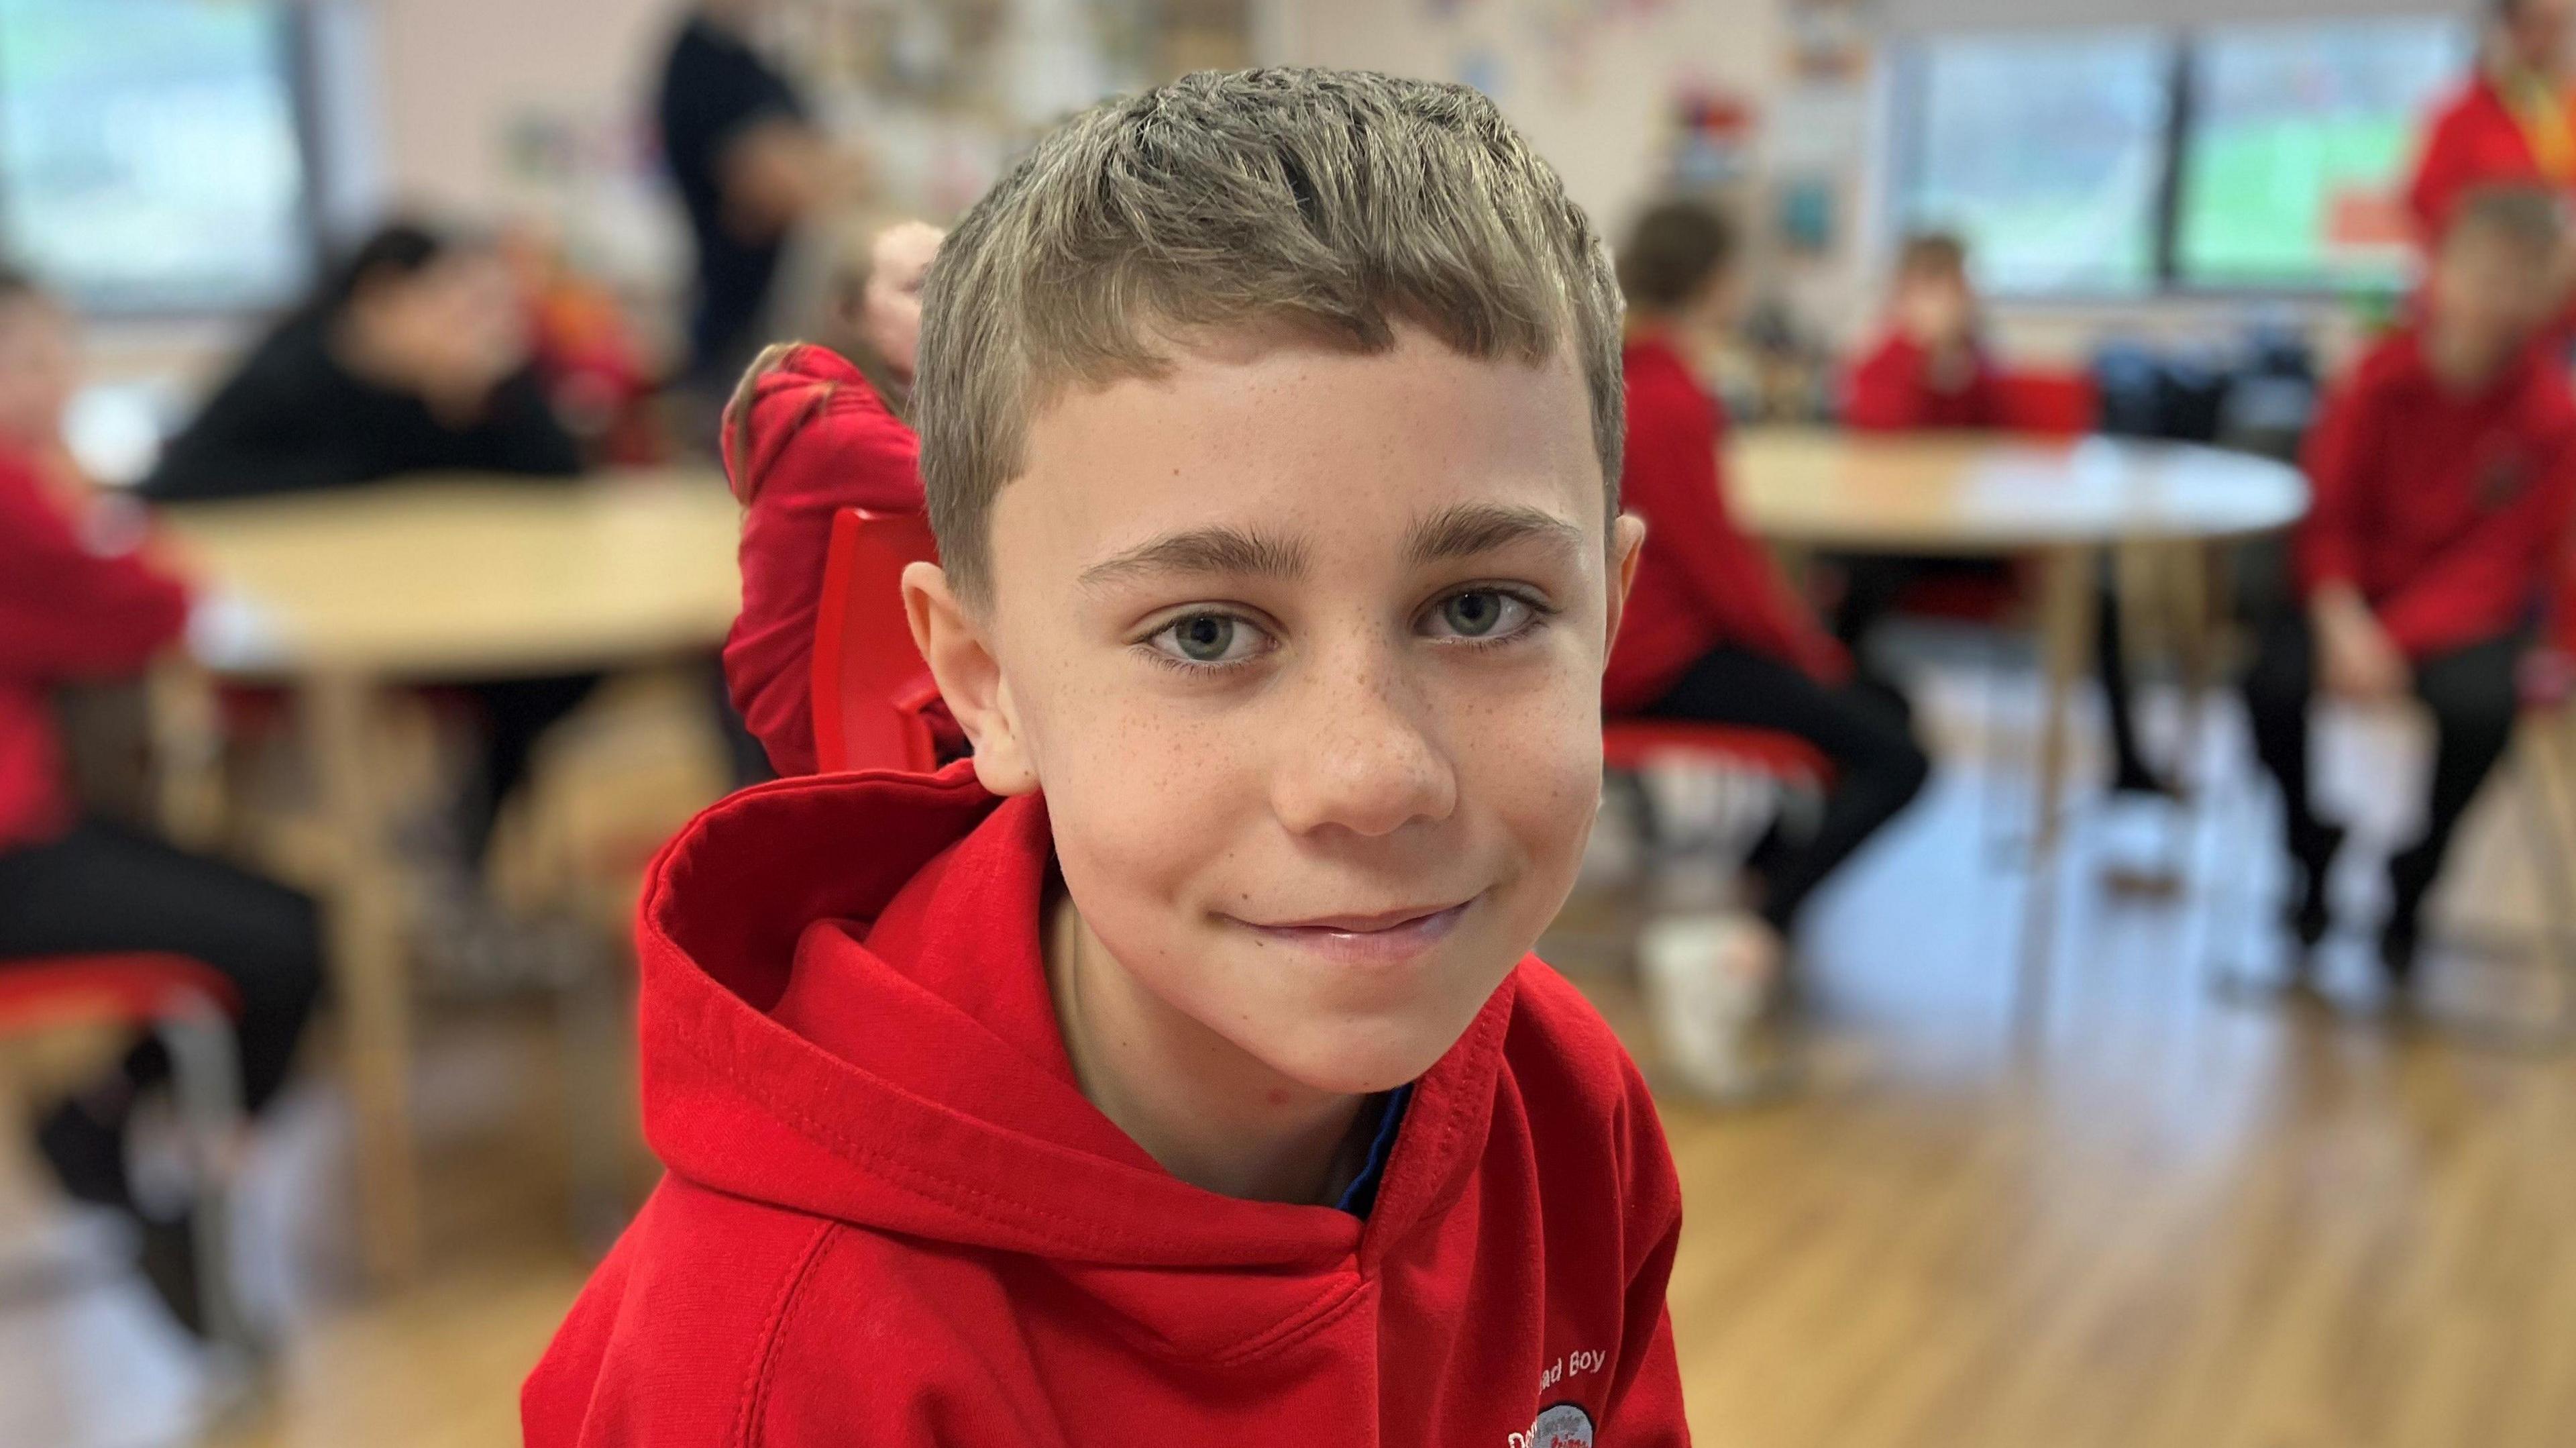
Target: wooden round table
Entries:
(338, 596)
(2067, 502)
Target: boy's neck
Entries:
(2462, 364)
(1197, 1103)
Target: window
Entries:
(2117, 162)
(150, 157)
(2300, 140)
(2045, 153)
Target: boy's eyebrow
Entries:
(1216, 550)
(1472, 528)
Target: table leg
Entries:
(2067, 602)
(365, 923)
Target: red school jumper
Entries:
(818, 439)
(892, 1217)
(1890, 390)
(1701, 583)
(76, 602)
(2448, 512)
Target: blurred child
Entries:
(1930, 369)
(1713, 633)
(2513, 124)
(413, 356)
(586, 354)
(81, 599)
(1176, 1070)
(2444, 469)
(809, 432)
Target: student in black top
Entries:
(413, 356)
(749, 165)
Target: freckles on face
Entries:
(1304, 648)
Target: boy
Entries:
(1197, 1089)
(1929, 371)
(2444, 469)
(82, 597)
(1715, 634)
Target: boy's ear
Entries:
(1627, 545)
(952, 641)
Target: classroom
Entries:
(1820, 723)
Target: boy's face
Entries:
(889, 311)
(39, 366)
(2538, 32)
(1934, 305)
(2488, 294)
(1305, 649)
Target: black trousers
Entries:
(103, 888)
(2473, 701)
(1867, 731)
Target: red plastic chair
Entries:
(2048, 404)
(870, 686)
(192, 1007)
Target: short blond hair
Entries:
(1336, 203)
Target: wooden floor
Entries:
(2173, 1217)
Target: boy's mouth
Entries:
(1388, 937)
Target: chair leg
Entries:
(206, 1082)
(2550, 821)
(592, 1022)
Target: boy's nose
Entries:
(1357, 755)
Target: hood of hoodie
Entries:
(845, 1013)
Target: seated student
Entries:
(80, 598)
(2444, 469)
(414, 356)
(1713, 633)
(1176, 1069)
(1930, 370)
(809, 432)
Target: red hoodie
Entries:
(1701, 583)
(1891, 390)
(71, 607)
(817, 439)
(2449, 513)
(892, 1217)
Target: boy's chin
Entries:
(1364, 1058)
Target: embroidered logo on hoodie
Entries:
(1564, 1426)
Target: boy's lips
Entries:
(1384, 938)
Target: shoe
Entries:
(2313, 916)
(1708, 979)
(87, 1156)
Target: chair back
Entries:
(2048, 404)
(870, 685)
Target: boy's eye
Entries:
(1480, 613)
(1209, 638)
